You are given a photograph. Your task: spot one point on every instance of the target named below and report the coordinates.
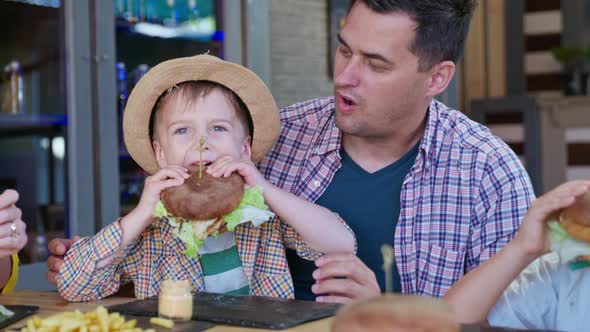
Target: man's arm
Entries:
(505, 194)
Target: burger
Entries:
(205, 206)
(570, 234)
(396, 312)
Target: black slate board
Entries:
(20, 312)
(250, 311)
(144, 323)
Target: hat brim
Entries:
(247, 85)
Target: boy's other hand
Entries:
(170, 176)
(57, 249)
(226, 165)
(532, 237)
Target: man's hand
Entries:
(343, 278)
(57, 249)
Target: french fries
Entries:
(163, 322)
(99, 320)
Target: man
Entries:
(398, 166)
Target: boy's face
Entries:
(180, 124)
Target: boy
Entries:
(182, 112)
(548, 294)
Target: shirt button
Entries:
(316, 183)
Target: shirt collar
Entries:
(426, 152)
(329, 139)
(330, 136)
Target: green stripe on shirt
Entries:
(222, 261)
(222, 267)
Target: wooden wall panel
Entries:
(495, 48)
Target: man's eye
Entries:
(344, 51)
(377, 69)
(181, 131)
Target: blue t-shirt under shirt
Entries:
(370, 205)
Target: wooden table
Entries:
(51, 303)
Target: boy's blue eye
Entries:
(218, 128)
(181, 131)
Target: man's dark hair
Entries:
(441, 26)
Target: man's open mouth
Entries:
(348, 101)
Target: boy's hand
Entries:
(137, 220)
(226, 165)
(532, 238)
(57, 248)
(166, 177)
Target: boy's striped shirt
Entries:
(222, 267)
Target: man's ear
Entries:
(247, 147)
(441, 75)
(159, 152)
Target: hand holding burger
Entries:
(575, 219)
(549, 219)
(206, 205)
(204, 201)
(570, 235)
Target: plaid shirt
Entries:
(461, 202)
(157, 255)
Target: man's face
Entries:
(377, 85)
(180, 126)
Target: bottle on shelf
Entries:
(122, 95)
(14, 96)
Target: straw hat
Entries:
(248, 86)
(393, 312)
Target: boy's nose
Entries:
(200, 143)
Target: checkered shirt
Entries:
(461, 202)
(157, 255)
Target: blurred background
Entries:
(68, 66)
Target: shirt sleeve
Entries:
(505, 194)
(11, 283)
(293, 240)
(80, 277)
(531, 299)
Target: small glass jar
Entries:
(175, 300)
